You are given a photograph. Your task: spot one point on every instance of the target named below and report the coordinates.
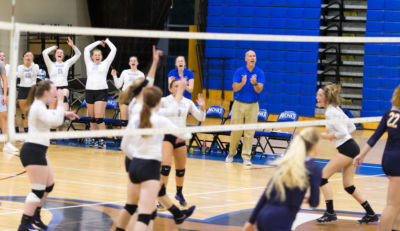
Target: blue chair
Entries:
(258, 135)
(112, 122)
(286, 116)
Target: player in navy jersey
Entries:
(295, 173)
(390, 160)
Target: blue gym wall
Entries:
(290, 67)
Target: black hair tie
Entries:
(137, 91)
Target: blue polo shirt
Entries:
(247, 94)
(188, 74)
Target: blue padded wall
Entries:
(290, 67)
(381, 61)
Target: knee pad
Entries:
(131, 209)
(324, 181)
(65, 99)
(154, 215)
(92, 120)
(49, 188)
(350, 190)
(180, 172)
(162, 191)
(23, 116)
(37, 193)
(124, 123)
(144, 218)
(165, 170)
(99, 120)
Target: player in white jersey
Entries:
(27, 73)
(33, 152)
(3, 59)
(172, 146)
(126, 78)
(58, 70)
(96, 85)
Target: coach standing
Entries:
(248, 83)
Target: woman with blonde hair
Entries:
(329, 98)
(296, 172)
(390, 160)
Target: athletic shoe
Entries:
(229, 159)
(92, 142)
(181, 199)
(327, 217)
(9, 148)
(368, 218)
(27, 228)
(53, 141)
(247, 162)
(185, 214)
(101, 143)
(37, 221)
(160, 207)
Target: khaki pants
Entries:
(243, 113)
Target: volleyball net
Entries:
(18, 29)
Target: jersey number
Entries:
(392, 121)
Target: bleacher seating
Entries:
(290, 67)
(381, 61)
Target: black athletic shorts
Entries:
(350, 148)
(141, 170)
(33, 154)
(172, 139)
(127, 163)
(391, 163)
(65, 97)
(93, 96)
(23, 92)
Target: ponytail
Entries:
(151, 98)
(36, 91)
(291, 171)
(126, 96)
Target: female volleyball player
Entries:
(33, 152)
(390, 160)
(295, 173)
(181, 72)
(96, 85)
(58, 70)
(28, 74)
(133, 94)
(172, 147)
(328, 97)
(4, 70)
(144, 170)
(126, 78)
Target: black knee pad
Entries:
(324, 181)
(180, 172)
(131, 209)
(145, 218)
(23, 116)
(350, 190)
(92, 120)
(162, 191)
(49, 188)
(154, 215)
(65, 99)
(165, 170)
(99, 120)
(38, 193)
(124, 123)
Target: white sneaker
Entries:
(229, 159)
(247, 162)
(9, 148)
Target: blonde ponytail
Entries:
(291, 171)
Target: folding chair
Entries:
(212, 112)
(286, 116)
(82, 120)
(263, 118)
(112, 104)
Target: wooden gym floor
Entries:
(91, 187)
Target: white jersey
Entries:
(97, 73)
(185, 106)
(58, 72)
(41, 119)
(126, 78)
(341, 131)
(146, 147)
(7, 66)
(27, 75)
